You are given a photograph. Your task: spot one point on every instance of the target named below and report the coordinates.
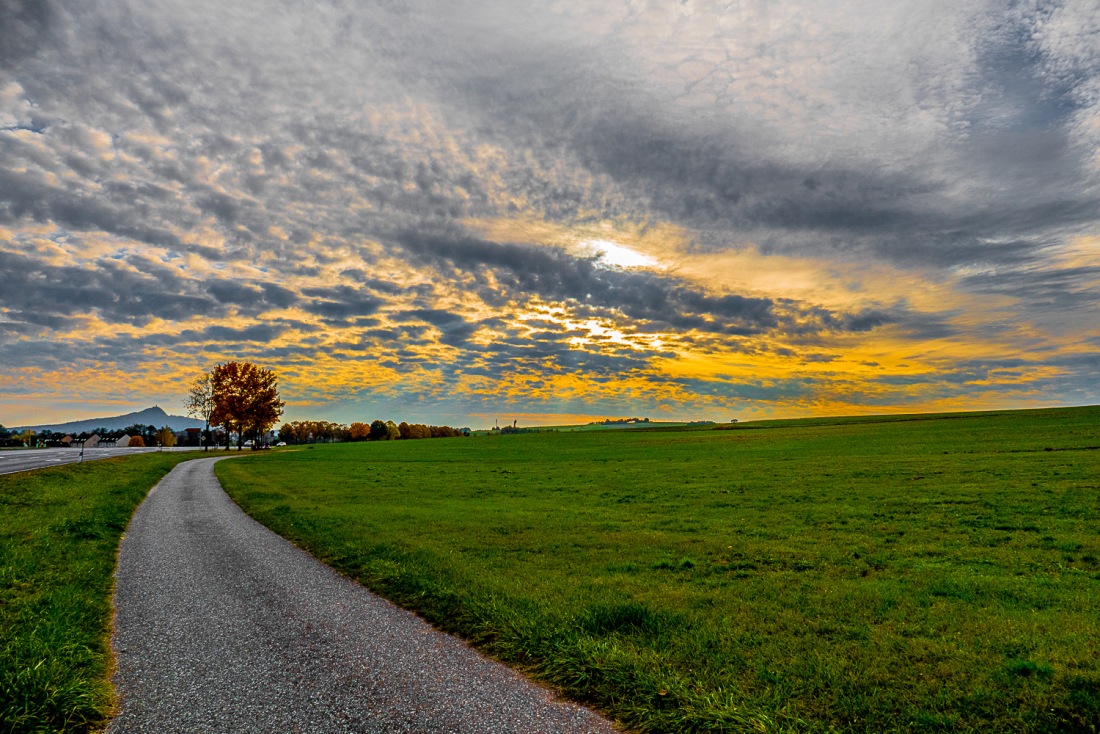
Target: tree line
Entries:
(297, 432)
(140, 434)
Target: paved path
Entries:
(223, 626)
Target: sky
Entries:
(460, 212)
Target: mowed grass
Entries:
(897, 575)
(59, 536)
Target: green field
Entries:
(594, 427)
(59, 537)
(852, 575)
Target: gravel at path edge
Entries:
(223, 626)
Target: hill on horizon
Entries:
(154, 415)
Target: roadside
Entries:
(19, 460)
(58, 547)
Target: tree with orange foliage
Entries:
(359, 431)
(246, 400)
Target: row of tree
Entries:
(163, 437)
(238, 396)
(145, 435)
(297, 432)
(16, 438)
(313, 432)
(419, 430)
(618, 421)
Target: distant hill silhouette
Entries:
(155, 416)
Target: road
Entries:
(17, 460)
(223, 626)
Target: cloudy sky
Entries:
(467, 210)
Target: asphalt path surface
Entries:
(17, 460)
(223, 626)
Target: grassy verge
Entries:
(58, 543)
(932, 574)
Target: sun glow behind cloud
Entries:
(683, 211)
(617, 255)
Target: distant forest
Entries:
(299, 432)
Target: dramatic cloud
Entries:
(454, 211)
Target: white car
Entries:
(281, 443)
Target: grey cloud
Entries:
(340, 303)
(216, 335)
(24, 198)
(1002, 168)
(125, 351)
(18, 328)
(550, 334)
(1065, 289)
(278, 296)
(908, 216)
(425, 292)
(24, 26)
(644, 297)
(51, 295)
(371, 124)
(28, 287)
(48, 354)
(710, 171)
(975, 376)
(228, 291)
(554, 355)
(771, 391)
(226, 208)
(454, 328)
(262, 333)
(650, 300)
(44, 319)
(866, 320)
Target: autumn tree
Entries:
(200, 403)
(136, 442)
(413, 430)
(165, 437)
(246, 399)
(359, 431)
(147, 431)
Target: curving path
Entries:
(223, 626)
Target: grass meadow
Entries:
(59, 536)
(906, 574)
